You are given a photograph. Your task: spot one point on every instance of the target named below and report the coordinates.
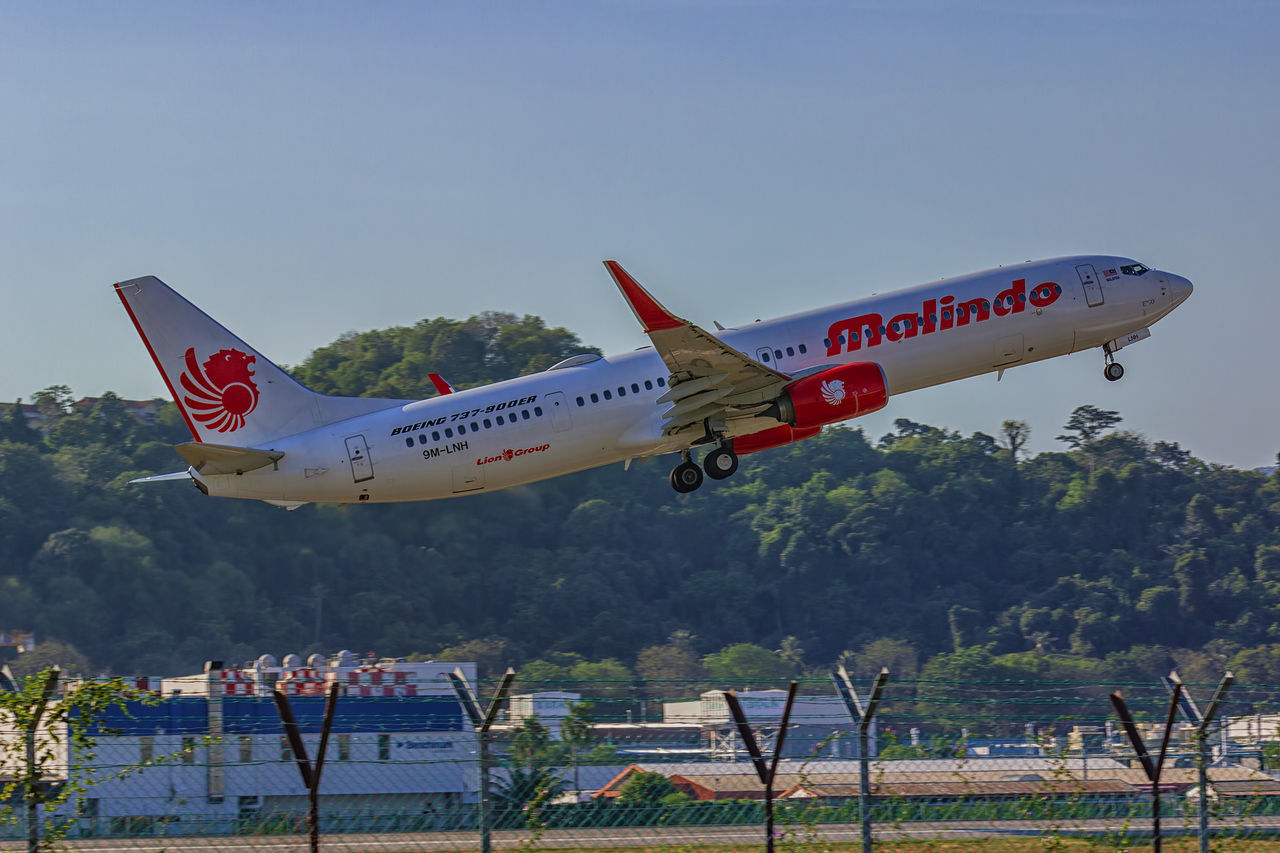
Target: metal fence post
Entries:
(769, 772)
(862, 716)
(482, 721)
(310, 774)
(1201, 722)
(1153, 769)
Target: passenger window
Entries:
(462, 429)
(607, 395)
(488, 424)
(764, 356)
(475, 427)
(435, 436)
(777, 353)
(826, 342)
(525, 414)
(537, 410)
(409, 441)
(661, 382)
(635, 388)
(581, 402)
(622, 392)
(803, 350)
(422, 438)
(595, 398)
(500, 420)
(791, 351)
(648, 385)
(448, 432)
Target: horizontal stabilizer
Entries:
(223, 459)
(161, 478)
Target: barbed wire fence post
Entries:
(310, 773)
(863, 717)
(1201, 721)
(482, 721)
(769, 772)
(1153, 769)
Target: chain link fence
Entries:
(608, 765)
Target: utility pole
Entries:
(482, 721)
(862, 716)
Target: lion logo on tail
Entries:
(222, 391)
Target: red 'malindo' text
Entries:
(936, 315)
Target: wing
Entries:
(710, 380)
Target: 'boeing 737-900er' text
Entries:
(257, 433)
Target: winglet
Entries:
(441, 385)
(652, 316)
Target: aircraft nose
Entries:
(1179, 288)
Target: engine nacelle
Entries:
(772, 437)
(835, 394)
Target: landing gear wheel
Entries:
(720, 463)
(686, 477)
(1113, 371)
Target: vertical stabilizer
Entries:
(227, 391)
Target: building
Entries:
(206, 753)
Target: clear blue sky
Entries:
(303, 169)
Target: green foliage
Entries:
(645, 788)
(913, 551)
(61, 727)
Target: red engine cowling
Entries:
(772, 437)
(835, 394)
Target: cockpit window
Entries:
(1134, 269)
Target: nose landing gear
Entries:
(1113, 370)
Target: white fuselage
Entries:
(577, 417)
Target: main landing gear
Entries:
(719, 463)
(1113, 370)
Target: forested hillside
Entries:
(950, 554)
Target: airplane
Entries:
(259, 434)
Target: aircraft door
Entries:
(1008, 350)
(358, 454)
(560, 418)
(764, 355)
(1089, 280)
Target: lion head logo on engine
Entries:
(222, 393)
(833, 392)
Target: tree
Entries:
(577, 731)
(56, 731)
(52, 653)
(645, 788)
(1015, 435)
(1087, 423)
(533, 775)
(746, 664)
(670, 670)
